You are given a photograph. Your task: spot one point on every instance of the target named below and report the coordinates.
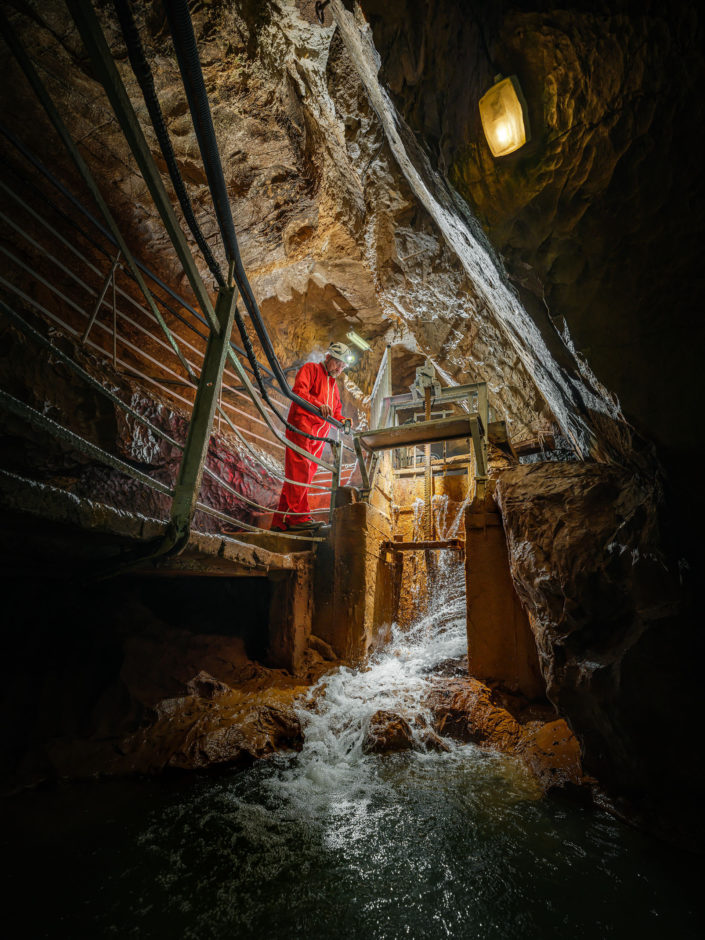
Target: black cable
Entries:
(182, 33)
(143, 74)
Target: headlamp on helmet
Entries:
(341, 352)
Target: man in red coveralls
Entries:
(316, 382)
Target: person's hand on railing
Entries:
(326, 410)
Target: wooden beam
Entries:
(422, 432)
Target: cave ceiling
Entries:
(595, 224)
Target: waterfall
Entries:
(335, 716)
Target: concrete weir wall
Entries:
(501, 645)
(353, 594)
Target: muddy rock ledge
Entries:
(108, 687)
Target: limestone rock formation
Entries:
(467, 710)
(618, 646)
(331, 234)
(388, 733)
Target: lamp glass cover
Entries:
(504, 118)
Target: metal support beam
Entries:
(101, 296)
(188, 482)
(477, 443)
(361, 463)
(109, 77)
(483, 409)
(428, 476)
(337, 449)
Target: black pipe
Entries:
(143, 74)
(190, 66)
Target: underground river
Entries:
(333, 842)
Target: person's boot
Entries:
(305, 526)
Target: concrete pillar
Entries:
(501, 646)
(353, 587)
(290, 610)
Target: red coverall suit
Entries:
(315, 385)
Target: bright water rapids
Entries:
(332, 842)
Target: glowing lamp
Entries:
(358, 341)
(504, 117)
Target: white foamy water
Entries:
(333, 771)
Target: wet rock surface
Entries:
(616, 634)
(467, 710)
(118, 681)
(388, 733)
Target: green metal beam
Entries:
(92, 35)
(193, 459)
(361, 463)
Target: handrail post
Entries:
(337, 449)
(193, 459)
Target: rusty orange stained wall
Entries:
(501, 645)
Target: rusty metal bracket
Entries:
(424, 545)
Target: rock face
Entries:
(617, 640)
(140, 677)
(467, 710)
(48, 386)
(595, 218)
(331, 234)
(388, 733)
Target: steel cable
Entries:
(190, 66)
(206, 137)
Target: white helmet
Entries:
(340, 351)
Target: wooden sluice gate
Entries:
(413, 467)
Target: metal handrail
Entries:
(49, 176)
(94, 382)
(22, 410)
(185, 494)
(72, 274)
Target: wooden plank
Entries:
(422, 432)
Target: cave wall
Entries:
(595, 563)
(331, 235)
(598, 218)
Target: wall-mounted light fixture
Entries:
(505, 119)
(358, 341)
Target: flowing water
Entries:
(333, 842)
